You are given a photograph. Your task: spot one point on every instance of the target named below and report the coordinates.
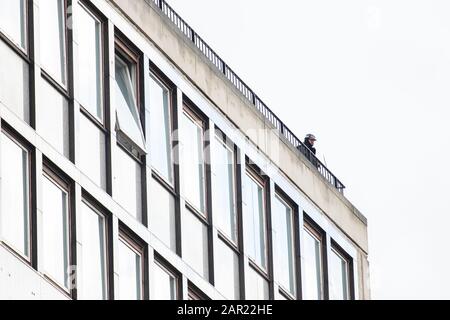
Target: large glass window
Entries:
(313, 265)
(164, 284)
(160, 128)
(195, 243)
(193, 161)
(90, 62)
(162, 214)
(13, 21)
(15, 195)
(224, 198)
(283, 218)
(257, 287)
(53, 38)
(94, 270)
(130, 271)
(53, 118)
(226, 270)
(55, 230)
(128, 185)
(255, 221)
(14, 79)
(339, 276)
(126, 100)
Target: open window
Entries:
(127, 95)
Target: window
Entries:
(339, 275)
(283, 217)
(53, 118)
(164, 284)
(257, 287)
(13, 21)
(226, 271)
(93, 258)
(313, 264)
(131, 261)
(14, 80)
(15, 195)
(162, 214)
(195, 243)
(224, 196)
(193, 160)
(53, 39)
(160, 128)
(128, 183)
(127, 100)
(55, 229)
(90, 61)
(195, 294)
(255, 221)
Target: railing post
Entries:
(160, 4)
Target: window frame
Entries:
(252, 173)
(100, 18)
(31, 227)
(128, 53)
(91, 203)
(316, 232)
(341, 253)
(165, 83)
(283, 198)
(191, 112)
(63, 88)
(50, 172)
(221, 138)
(165, 266)
(27, 29)
(137, 245)
(194, 293)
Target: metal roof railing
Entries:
(246, 91)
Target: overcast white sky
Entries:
(371, 79)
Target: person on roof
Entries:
(310, 139)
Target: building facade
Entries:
(135, 164)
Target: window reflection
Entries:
(12, 21)
(257, 287)
(15, 195)
(94, 271)
(55, 230)
(312, 253)
(226, 271)
(339, 276)
(165, 283)
(130, 272)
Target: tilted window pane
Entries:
(195, 244)
(14, 87)
(53, 118)
(160, 129)
(12, 21)
(226, 271)
(53, 38)
(128, 188)
(312, 255)
(339, 277)
(164, 284)
(15, 195)
(90, 62)
(255, 222)
(256, 287)
(126, 103)
(224, 206)
(193, 165)
(93, 237)
(285, 255)
(55, 230)
(162, 214)
(130, 273)
(92, 157)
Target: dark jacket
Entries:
(309, 146)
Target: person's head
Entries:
(310, 138)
